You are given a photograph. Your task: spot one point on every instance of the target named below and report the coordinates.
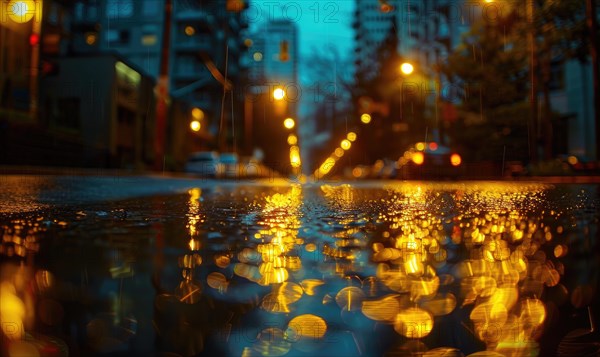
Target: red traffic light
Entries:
(34, 39)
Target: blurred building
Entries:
(104, 105)
(435, 28)
(206, 46)
(30, 37)
(431, 29)
(273, 65)
(577, 88)
(372, 22)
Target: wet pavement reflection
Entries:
(394, 269)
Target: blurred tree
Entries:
(491, 65)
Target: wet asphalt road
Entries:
(177, 267)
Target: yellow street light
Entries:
(289, 123)
(195, 125)
(345, 144)
(278, 94)
(197, 113)
(455, 160)
(295, 157)
(365, 118)
(351, 136)
(407, 68)
(292, 139)
(21, 11)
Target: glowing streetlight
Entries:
(278, 94)
(295, 157)
(292, 139)
(345, 144)
(365, 118)
(197, 113)
(418, 158)
(195, 125)
(21, 11)
(455, 160)
(351, 136)
(289, 123)
(407, 68)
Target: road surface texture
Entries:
(151, 266)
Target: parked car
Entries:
(229, 165)
(203, 163)
(429, 161)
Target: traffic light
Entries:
(284, 54)
(34, 39)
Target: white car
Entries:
(203, 163)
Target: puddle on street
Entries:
(323, 270)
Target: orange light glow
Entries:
(418, 158)
(455, 160)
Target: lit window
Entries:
(149, 37)
(91, 38)
(149, 40)
(190, 30)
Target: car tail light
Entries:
(455, 159)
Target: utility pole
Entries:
(162, 90)
(592, 24)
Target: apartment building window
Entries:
(79, 7)
(117, 37)
(151, 7)
(149, 35)
(116, 9)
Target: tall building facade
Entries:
(273, 64)
(372, 22)
(206, 40)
